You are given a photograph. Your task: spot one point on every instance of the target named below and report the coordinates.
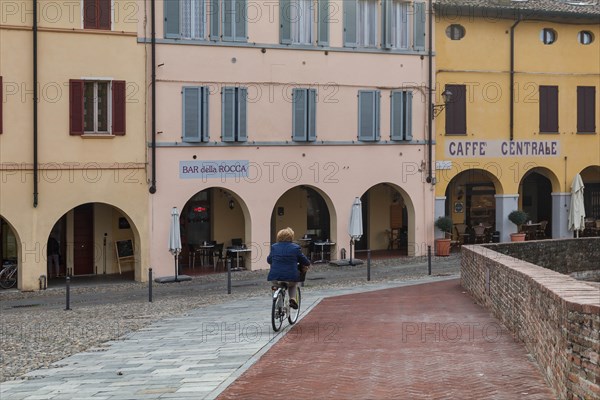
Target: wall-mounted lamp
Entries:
(231, 204)
(436, 109)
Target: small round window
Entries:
(548, 36)
(455, 31)
(585, 37)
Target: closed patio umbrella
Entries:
(175, 238)
(577, 210)
(355, 227)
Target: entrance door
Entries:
(83, 240)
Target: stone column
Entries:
(440, 211)
(560, 215)
(505, 204)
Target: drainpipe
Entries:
(35, 107)
(429, 95)
(512, 77)
(153, 115)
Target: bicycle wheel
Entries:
(293, 317)
(277, 311)
(8, 278)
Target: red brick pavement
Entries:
(425, 341)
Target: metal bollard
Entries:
(228, 276)
(429, 260)
(150, 285)
(68, 289)
(369, 265)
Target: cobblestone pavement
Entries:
(419, 342)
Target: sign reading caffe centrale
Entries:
(502, 148)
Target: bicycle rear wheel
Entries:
(293, 317)
(8, 278)
(278, 311)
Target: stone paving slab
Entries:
(194, 356)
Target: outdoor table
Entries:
(237, 252)
(322, 245)
(204, 250)
(530, 229)
(304, 243)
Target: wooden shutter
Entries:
(368, 110)
(205, 135)
(350, 32)
(119, 89)
(89, 14)
(242, 120)
(397, 115)
(171, 11)
(214, 19)
(299, 115)
(76, 107)
(408, 116)
(285, 23)
(312, 115)
(586, 109)
(386, 33)
(456, 110)
(419, 19)
(228, 20)
(548, 109)
(240, 21)
(1, 102)
(104, 14)
(191, 114)
(376, 114)
(228, 114)
(322, 22)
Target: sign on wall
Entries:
(213, 169)
(502, 148)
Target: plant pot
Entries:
(442, 247)
(517, 237)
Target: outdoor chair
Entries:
(479, 233)
(218, 256)
(540, 233)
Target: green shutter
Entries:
(285, 25)
(322, 23)
(386, 32)
(397, 115)
(228, 20)
(204, 119)
(242, 120)
(350, 33)
(408, 116)
(419, 19)
(191, 114)
(240, 21)
(299, 115)
(312, 115)
(214, 19)
(228, 114)
(171, 9)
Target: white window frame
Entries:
(401, 22)
(367, 23)
(302, 21)
(197, 20)
(108, 108)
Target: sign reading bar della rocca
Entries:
(213, 169)
(502, 148)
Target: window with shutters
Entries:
(233, 114)
(400, 24)
(401, 115)
(456, 110)
(97, 107)
(304, 111)
(97, 14)
(195, 114)
(298, 25)
(368, 115)
(398, 16)
(548, 109)
(586, 109)
(196, 19)
(367, 23)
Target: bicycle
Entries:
(8, 275)
(281, 306)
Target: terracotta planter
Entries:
(517, 237)
(442, 247)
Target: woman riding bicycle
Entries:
(285, 257)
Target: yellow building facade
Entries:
(72, 164)
(522, 120)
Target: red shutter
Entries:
(543, 102)
(1, 100)
(103, 7)
(548, 109)
(586, 109)
(118, 107)
(76, 88)
(89, 14)
(456, 110)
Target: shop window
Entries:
(585, 37)
(96, 14)
(455, 32)
(304, 102)
(368, 115)
(548, 109)
(456, 110)
(96, 107)
(401, 115)
(233, 114)
(548, 36)
(586, 109)
(195, 114)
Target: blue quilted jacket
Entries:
(284, 259)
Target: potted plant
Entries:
(442, 246)
(518, 218)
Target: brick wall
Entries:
(554, 315)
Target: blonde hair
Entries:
(285, 235)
